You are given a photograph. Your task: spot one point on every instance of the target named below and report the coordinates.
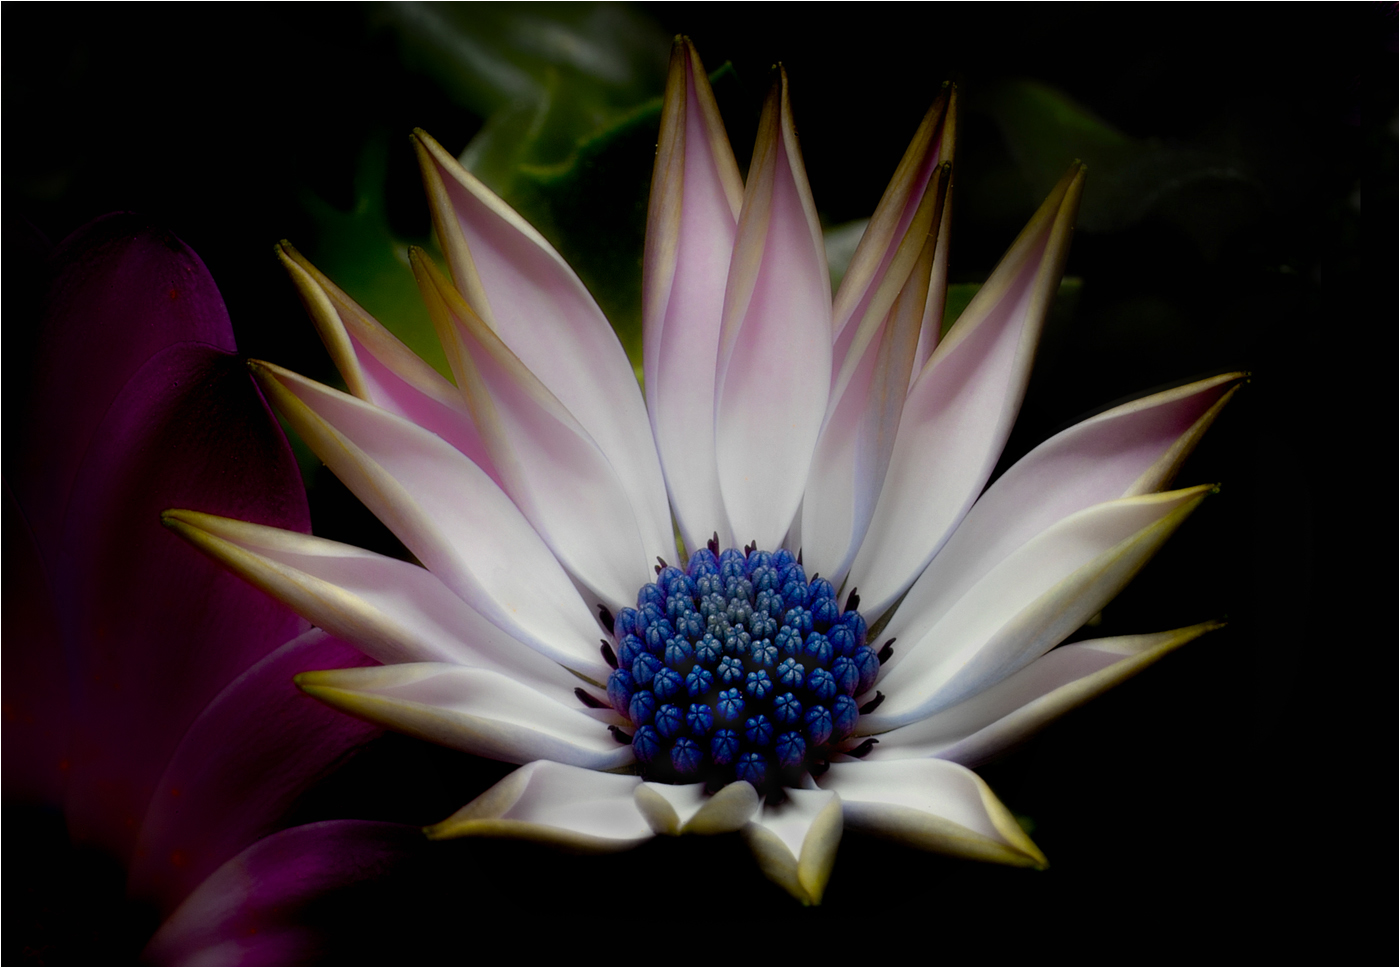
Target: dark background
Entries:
(1233, 803)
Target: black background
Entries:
(1234, 803)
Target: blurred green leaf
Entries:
(570, 97)
(546, 77)
(1045, 130)
(841, 241)
(360, 253)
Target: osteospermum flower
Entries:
(770, 598)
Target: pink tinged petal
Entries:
(696, 194)
(479, 711)
(933, 805)
(154, 629)
(795, 842)
(1027, 605)
(554, 803)
(977, 729)
(448, 513)
(548, 464)
(122, 292)
(931, 147)
(961, 407)
(775, 344)
(392, 610)
(525, 292)
(377, 367)
(251, 752)
(869, 390)
(251, 910)
(37, 727)
(1129, 450)
(674, 809)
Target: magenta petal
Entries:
(250, 911)
(36, 732)
(251, 752)
(155, 629)
(121, 292)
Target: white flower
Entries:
(535, 491)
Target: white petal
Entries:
(775, 345)
(687, 809)
(1027, 605)
(977, 729)
(551, 468)
(868, 394)
(532, 300)
(692, 218)
(394, 611)
(557, 804)
(476, 710)
(1129, 450)
(961, 407)
(447, 512)
(377, 367)
(933, 805)
(931, 146)
(795, 842)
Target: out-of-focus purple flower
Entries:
(146, 690)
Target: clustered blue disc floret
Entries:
(739, 668)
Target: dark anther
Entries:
(620, 736)
(885, 652)
(662, 562)
(751, 547)
(819, 767)
(799, 556)
(609, 656)
(815, 576)
(852, 600)
(713, 543)
(606, 617)
(873, 704)
(589, 701)
(863, 749)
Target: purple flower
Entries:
(844, 436)
(147, 690)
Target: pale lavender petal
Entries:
(978, 728)
(932, 145)
(696, 193)
(251, 752)
(868, 394)
(933, 805)
(479, 711)
(775, 345)
(392, 610)
(548, 464)
(961, 407)
(448, 513)
(674, 808)
(251, 910)
(1027, 605)
(380, 369)
(794, 842)
(529, 296)
(575, 808)
(1132, 449)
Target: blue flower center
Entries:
(739, 668)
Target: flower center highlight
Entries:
(739, 668)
